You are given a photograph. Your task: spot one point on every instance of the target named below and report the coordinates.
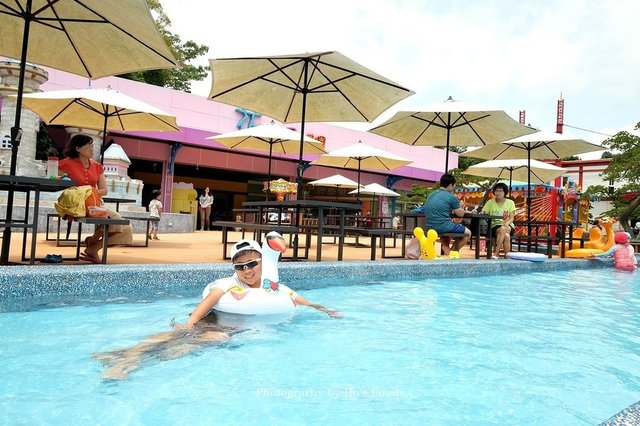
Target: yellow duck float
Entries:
(598, 242)
(428, 244)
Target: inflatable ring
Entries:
(582, 252)
(532, 257)
(268, 299)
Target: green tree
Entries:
(178, 78)
(624, 166)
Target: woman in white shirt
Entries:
(205, 201)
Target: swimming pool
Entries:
(544, 348)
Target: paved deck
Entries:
(196, 247)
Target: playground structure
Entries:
(548, 204)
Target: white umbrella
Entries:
(336, 180)
(451, 123)
(516, 169)
(100, 109)
(269, 137)
(376, 189)
(320, 86)
(359, 156)
(539, 145)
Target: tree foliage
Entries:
(624, 166)
(178, 78)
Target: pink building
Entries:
(160, 159)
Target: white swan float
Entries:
(271, 298)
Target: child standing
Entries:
(155, 211)
(624, 258)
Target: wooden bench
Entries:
(535, 240)
(258, 229)
(57, 239)
(148, 220)
(106, 222)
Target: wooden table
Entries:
(30, 221)
(475, 231)
(321, 207)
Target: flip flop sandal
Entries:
(52, 258)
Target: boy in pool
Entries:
(246, 257)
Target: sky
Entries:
(509, 55)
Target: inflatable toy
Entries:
(268, 299)
(532, 257)
(454, 254)
(580, 253)
(597, 240)
(427, 243)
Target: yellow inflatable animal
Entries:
(598, 243)
(427, 242)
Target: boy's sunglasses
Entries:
(247, 265)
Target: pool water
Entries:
(559, 348)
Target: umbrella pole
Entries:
(16, 134)
(304, 113)
(269, 173)
(104, 137)
(446, 152)
(510, 179)
(358, 196)
(529, 198)
(300, 167)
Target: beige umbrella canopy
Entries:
(93, 38)
(516, 169)
(539, 145)
(360, 156)
(269, 137)
(451, 123)
(100, 109)
(321, 86)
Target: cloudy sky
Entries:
(511, 55)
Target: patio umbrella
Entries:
(338, 181)
(376, 189)
(100, 109)
(268, 137)
(321, 86)
(516, 169)
(451, 123)
(94, 38)
(361, 156)
(539, 145)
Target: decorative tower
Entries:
(29, 122)
(120, 185)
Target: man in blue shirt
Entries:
(438, 208)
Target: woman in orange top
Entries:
(83, 170)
